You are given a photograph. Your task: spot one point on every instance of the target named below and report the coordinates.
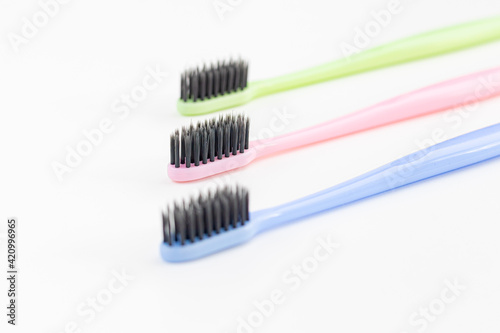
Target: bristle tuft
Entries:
(205, 216)
(212, 81)
(209, 140)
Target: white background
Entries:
(396, 250)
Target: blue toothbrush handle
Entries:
(447, 156)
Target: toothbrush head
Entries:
(214, 87)
(210, 147)
(206, 224)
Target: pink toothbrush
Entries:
(220, 145)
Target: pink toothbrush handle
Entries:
(445, 95)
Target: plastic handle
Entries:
(467, 89)
(412, 48)
(447, 156)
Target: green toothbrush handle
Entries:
(408, 49)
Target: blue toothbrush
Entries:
(220, 220)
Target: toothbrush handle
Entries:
(416, 47)
(447, 156)
(445, 95)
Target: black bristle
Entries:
(204, 146)
(247, 133)
(168, 227)
(183, 87)
(234, 208)
(217, 213)
(210, 83)
(204, 216)
(227, 140)
(180, 224)
(220, 141)
(244, 209)
(234, 138)
(216, 82)
(193, 81)
(166, 232)
(191, 222)
(187, 149)
(176, 149)
(192, 144)
(183, 147)
(230, 80)
(244, 75)
(211, 144)
(209, 140)
(223, 79)
(237, 76)
(243, 132)
(203, 83)
(196, 147)
(225, 211)
(172, 149)
(208, 216)
(200, 226)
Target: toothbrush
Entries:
(225, 85)
(222, 144)
(220, 220)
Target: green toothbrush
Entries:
(225, 85)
